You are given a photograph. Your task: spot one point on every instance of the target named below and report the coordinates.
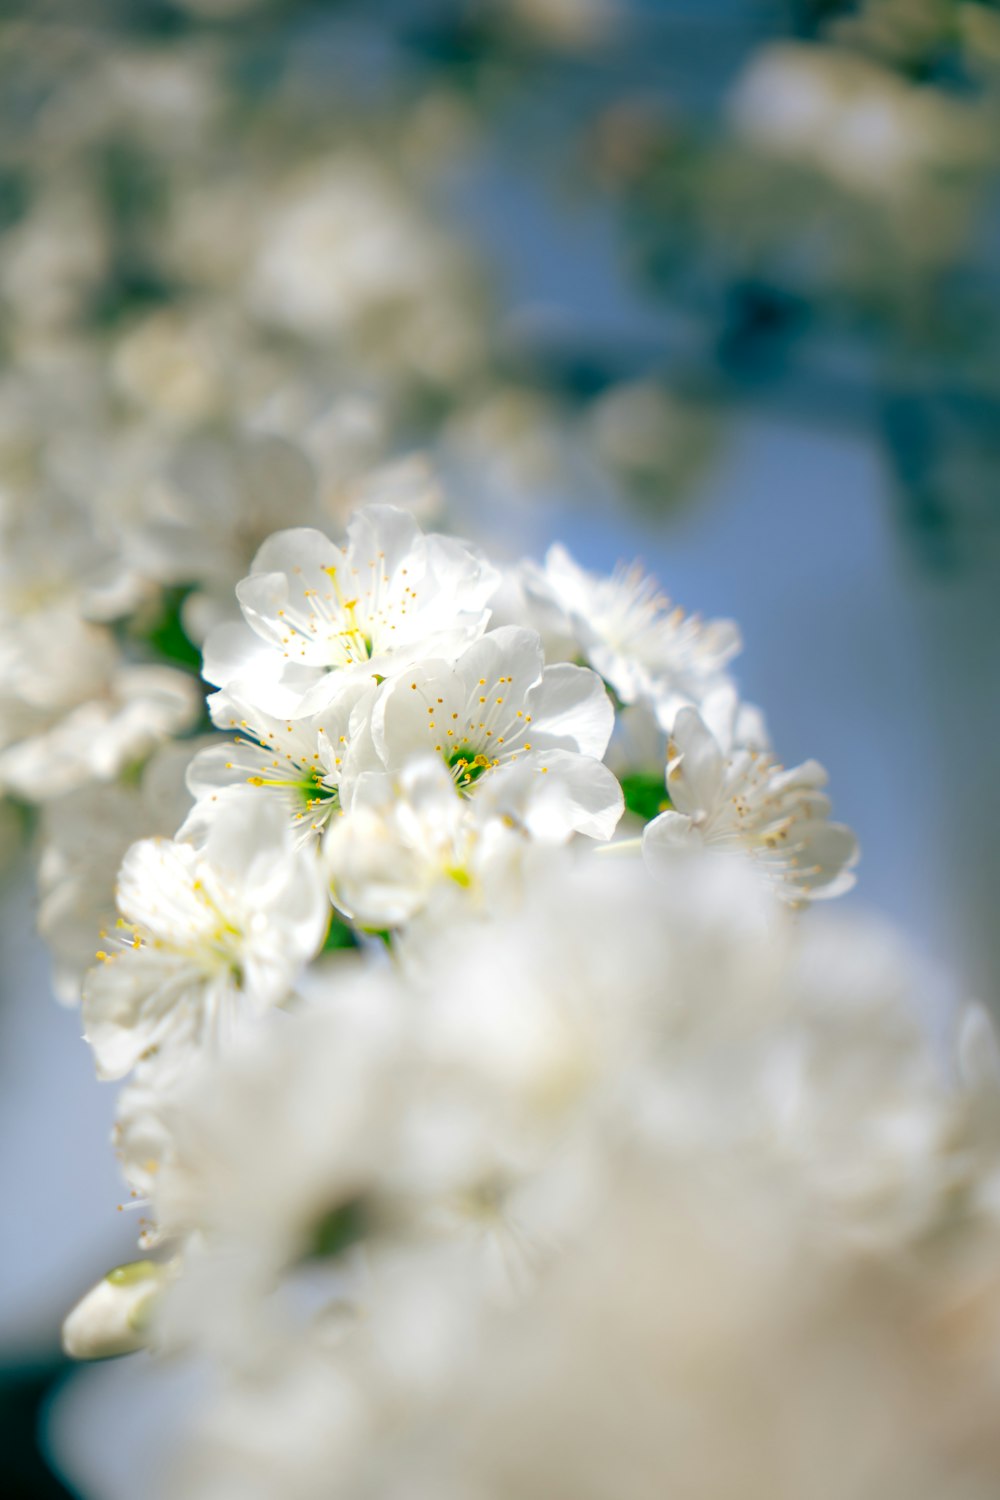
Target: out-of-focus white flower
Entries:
(124, 719)
(520, 1120)
(195, 508)
(656, 1333)
(344, 251)
(892, 1147)
(172, 367)
(870, 130)
(333, 251)
(498, 706)
(509, 446)
(626, 630)
(654, 438)
(72, 708)
(183, 1123)
(53, 261)
(389, 596)
(408, 483)
(482, 1049)
(748, 803)
(571, 24)
(204, 510)
(51, 656)
(85, 835)
(51, 662)
(209, 936)
(160, 94)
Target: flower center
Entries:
(354, 639)
(305, 784)
(467, 764)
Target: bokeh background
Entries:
(713, 283)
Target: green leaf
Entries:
(645, 795)
(339, 936)
(168, 636)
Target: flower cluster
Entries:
(390, 763)
(497, 1112)
(504, 1120)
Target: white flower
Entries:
(404, 836)
(389, 596)
(206, 1140)
(628, 631)
(410, 841)
(85, 835)
(298, 760)
(197, 513)
(210, 935)
(135, 709)
(54, 258)
(856, 1096)
(330, 252)
(51, 662)
(500, 706)
(205, 508)
(748, 803)
(638, 749)
(859, 123)
(573, 25)
(345, 250)
(466, 1064)
(146, 1113)
(72, 708)
(678, 1129)
(696, 1306)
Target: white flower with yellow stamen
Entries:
(497, 706)
(84, 837)
(407, 838)
(300, 761)
(746, 802)
(411, 843)
(388, 597)
(625, 628)
(209, 935)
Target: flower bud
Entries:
(113, 1317)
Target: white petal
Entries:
(665, 835)
(407, 717)
(824, 864)
(133, 1003)
(236, 656)
(302, 551)
(571, 705)
(509, 651)
(384, 532)
(212, 769)
(555, 793)
(696, 765)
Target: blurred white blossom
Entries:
(208, 935)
